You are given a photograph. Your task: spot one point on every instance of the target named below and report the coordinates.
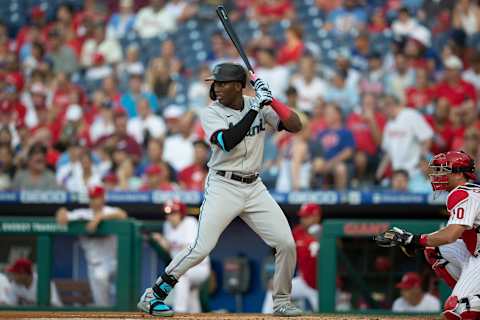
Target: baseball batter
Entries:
(453, 251)
(235, 125)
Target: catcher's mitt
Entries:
(396, 237)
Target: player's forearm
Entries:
(444, 236)
(228, 139)
(117, 215)
(288, 117)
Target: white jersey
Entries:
(96, 248)
(463, 205)
(28, 296)
(246, 158)
(182, 235)
(428, 304)
(7, 294)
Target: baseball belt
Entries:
(244, 179)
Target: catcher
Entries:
(453, 250)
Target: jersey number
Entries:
(459, 212)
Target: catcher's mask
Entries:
(444, 164)
(227, 72)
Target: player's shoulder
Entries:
(461, 194)
(108, 209)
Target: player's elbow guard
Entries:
(218, 138)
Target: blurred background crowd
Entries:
(108, 92)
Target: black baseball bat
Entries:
(222, 14)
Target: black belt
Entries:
(247, 179)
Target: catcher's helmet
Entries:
(227, 72)
(309, 209)
(175, 206)
(443, 164)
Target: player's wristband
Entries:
(281, 109)
(420, 240)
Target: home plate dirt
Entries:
(14, 315)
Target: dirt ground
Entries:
(14, 315)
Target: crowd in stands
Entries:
(380, 85)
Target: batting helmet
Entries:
(443, 164)
(227, 72)
(309, 209)
(175, 206)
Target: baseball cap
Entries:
(410, 280)
(228, 71)
(173, 206)
(153, 169)
(173, 112)
(422, 35)
(96, 192)
(309, 210)
(453, 62)
(21, 266)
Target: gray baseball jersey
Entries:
(246, 158)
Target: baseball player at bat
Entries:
(235, 126)
(452, 251)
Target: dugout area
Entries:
(347, 252)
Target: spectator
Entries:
(405, 24)
(120, 137)
(198, 91)
(293, 48)
(406, 138)
(378, 23)
(340, 93)
(80, 175)
(373, 80)
(295, 161)
(443, 133)
(25, 284)
(400, 180)
(100, 251)
(121, 23)
(471, 144)
(62, 56)
(135, 92)
(466, 16)
(308, 85)
(351, 16)
(159, 80)
(157, 178)
(400, 78)
(421, 182)
(413, 299)
(154, 156)
(421, 95)
(181, 10)
(110, 182)
(178, 149)
(130, 65)
(275, 75)
(193, 176)
(361, 52)
(262, 39)
(127, 180)
(36, 176)
(472, 75)
(179, 231)
(109, 48)
(337, 146)
(168, 54)
(102, 124)
(268, 12)
(145, 125)
(7, 167)
(453, 87)
(366, 125)
(154, 20)
(219, 49)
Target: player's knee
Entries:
(100, 276)
(466, 308)
(439, 265)
(286, 244)
(340, 169)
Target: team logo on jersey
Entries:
(256, 129)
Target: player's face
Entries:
(227, 92)
(97, 203)
(454, 180)
(174, 218)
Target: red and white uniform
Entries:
(185, 294)
(101, 255)
(463, 204)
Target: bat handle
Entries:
(253, 77)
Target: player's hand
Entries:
(62, 216)
(262, 90)
(92, 225)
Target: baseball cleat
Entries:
(287, 310)
(150, 304)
